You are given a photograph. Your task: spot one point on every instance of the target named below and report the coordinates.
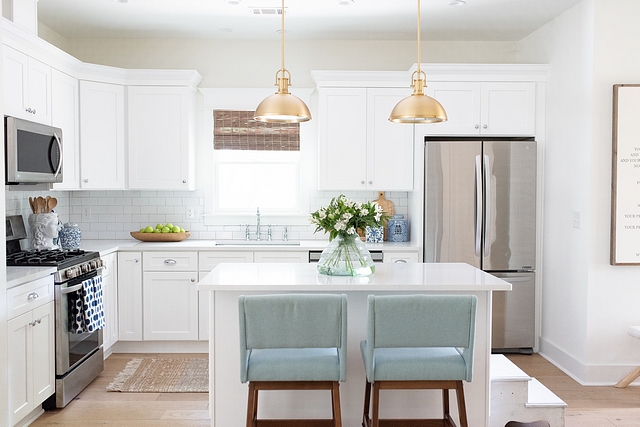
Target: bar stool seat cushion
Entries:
(294, 364)
(416, 364)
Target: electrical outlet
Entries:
(576, 219)
(86, 213)
(192, 212)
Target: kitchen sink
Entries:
(256, 243)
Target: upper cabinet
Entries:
(358, 148)
(161, 137)
(64, 115)
(27, 87)
(485, 108)
(102, 136)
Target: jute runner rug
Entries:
(163, 376)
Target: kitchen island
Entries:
(228, 396)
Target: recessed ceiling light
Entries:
(226, 30)
(457, 2)
(346, 2)
(121, 1)
(233, 2)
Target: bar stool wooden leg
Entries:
(335, 404)
(252, 405)
(367, 404)
(462, 410)
(445, 404)
(375, 420)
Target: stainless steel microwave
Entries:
(33, 152)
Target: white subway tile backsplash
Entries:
(115, 213)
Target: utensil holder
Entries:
(44, 231)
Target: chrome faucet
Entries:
(258, 224)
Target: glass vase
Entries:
(346, 255)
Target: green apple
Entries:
(182, 230)
(156, 230)
(159, 226)
(142, 230)
(175, 229)
(148, 229)
(165, 229)
(169, 225)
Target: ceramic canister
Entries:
(398, 229)
(70, 236)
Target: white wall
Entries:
(587, 304)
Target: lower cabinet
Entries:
(130, 296)
(110, 292)
(31, 360)
(401, 257)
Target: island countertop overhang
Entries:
(292, 277)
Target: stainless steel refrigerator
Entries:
(480, 208)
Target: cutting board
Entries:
(387, 207)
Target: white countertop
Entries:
(19, 275)
(289, 277)
(108, 246)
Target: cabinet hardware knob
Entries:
(362, 182)
(370, 182)
(86, 180)
(170, 261)
(484, 126)
(135, 260)
(184, 181)
(193, 280)
(477, 126)
(39, 320)
(32, 296)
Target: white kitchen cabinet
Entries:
(27, 87)
(110, 292)
(484, 108)
(359, 149)
(31, 340)
(282, 256)
(170, 297)
(401, 257)
(102, 136)
(65, 115)
(207, 261)
(130, 296)
(161, 137)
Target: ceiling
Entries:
(477, 20)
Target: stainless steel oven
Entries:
(79, 356)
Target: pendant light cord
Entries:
(418, 38)
(282, 38)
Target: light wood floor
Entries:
(587, 406)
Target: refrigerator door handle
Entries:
(487, 205)
(478, 210)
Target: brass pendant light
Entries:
(418, 108)
(282, 107)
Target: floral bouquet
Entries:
(342, 218)
(345, 217)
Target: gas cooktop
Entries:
(47, 258)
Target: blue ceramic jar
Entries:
(398, 229)
(70, 236)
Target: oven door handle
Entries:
(72, 289)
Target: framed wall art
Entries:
(625, 180)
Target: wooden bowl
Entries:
(160, 237)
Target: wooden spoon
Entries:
(53, 202)
(32, 205)
(39, 204)
(47, 209)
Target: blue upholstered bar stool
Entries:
(418, 342)
(293, 342)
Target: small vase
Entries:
(346, 256)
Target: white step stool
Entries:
(515, 396)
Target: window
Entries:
(255, 164)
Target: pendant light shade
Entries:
(418, 108)
(282, 107)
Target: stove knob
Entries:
(71, 273)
